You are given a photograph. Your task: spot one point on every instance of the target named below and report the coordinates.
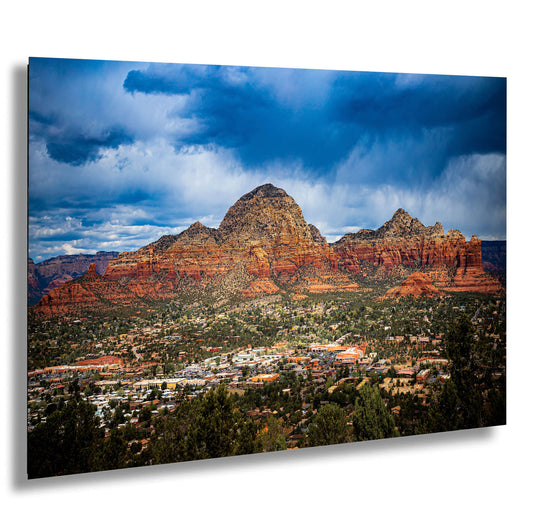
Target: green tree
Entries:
(169, 447)
(246, 441)
(113, 452)
(215, 427)
(67, 443)
(329, 426)
(74, 387)
(273, 436)
(463, 353)
(145, 414)
(444, 414)
(329, 383)
(372, 419)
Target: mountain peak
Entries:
(92, 270)
(401, 224)
(267, 190)
(401, 213)
(90, 275)
(196, 233)
(455, 234)
(264, 214)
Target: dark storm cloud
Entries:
(228, 105)
(173, 79)
(76, 149)
(70, 114)
(81, 203)
(37, 119)
(73, 144)
(389, 101)
(472, 108)
(235, 108)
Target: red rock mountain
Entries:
(264, 245)
(404, 243)
(89, 291)
(264, 235)
(417, 284)
(49, 274)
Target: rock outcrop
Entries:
(404, 242)
(33, 283)
(265, 230)
(89, 292)
(417, 284)
(49, 274)
(494, 257)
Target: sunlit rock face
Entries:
(417, 284)
(50, 274)
(265, 230)
(90, 291)
(452, 263)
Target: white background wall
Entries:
(478, 472)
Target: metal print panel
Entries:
(236, 260)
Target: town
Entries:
(282, 365)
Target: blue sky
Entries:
(121, 153)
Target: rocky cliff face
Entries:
(494, 257)
(265, 230)
(89, 292)
(49, 274)
(33, 283)
(403, 241)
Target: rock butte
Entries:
(264, 245)
(452, 263)
(417, 284)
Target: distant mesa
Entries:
(265, 246)
(494, 257)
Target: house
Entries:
(268, 378)
(350, 355)
(423, 376)
(298, 360)
(405, 372)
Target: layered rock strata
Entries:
(49, 274)
(264, 245)
(265, 230)
(454, 264)
(417, 284)
(89, 292)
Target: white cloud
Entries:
(69, 249)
